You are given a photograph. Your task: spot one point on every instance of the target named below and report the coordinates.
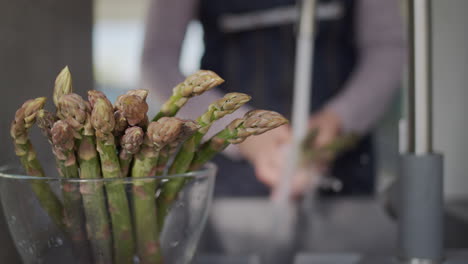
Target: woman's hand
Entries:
(329, 127)
(268, 153)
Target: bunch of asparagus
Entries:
(97, 139)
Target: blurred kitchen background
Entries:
(116, 43)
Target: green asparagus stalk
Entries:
(63, 141)
(94, 202)
(254, 122)
(217, 110)
(63, 85)
(24, 119)
(131, 143)
(158, 135)
(74, 110)
(102, 119)
(193, 85)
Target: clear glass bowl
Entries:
(40, 239)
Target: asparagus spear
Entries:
(75, 111)
(188, 130)
(131, 143)
(63, 85)
(24, 119)
(102, 119)
(193, 85)
(254, 123)
(218, 109)
(158, 135)
(63, 140)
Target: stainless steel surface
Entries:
(421, 207)
(422, 52)
(237, 227)
(408, 134)
(421, 196)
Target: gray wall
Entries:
(38, 38)
(451, 91)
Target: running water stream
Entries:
(285, 212)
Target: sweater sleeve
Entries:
(378, 73)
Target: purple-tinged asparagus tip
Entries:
(133, 108)
(132, 140)
(164, 131)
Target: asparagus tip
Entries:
(142, 93)
(74, 109)
(93, 95)
(63, 139)
(132, 139)
(63, 85)
(164, 131)
(102, 117)
(255, 122)
(133, 107)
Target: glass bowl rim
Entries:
(208, 170)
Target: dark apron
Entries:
(260, 62)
